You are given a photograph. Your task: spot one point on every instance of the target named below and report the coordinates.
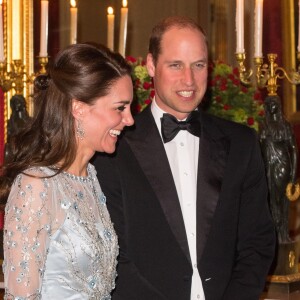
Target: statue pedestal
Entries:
(286, 259)
(284, 281)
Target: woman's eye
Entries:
(121, 108)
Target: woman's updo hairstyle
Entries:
(84, 72)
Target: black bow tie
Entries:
(170, 126)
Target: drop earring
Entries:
(80, 131)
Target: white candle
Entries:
(239, 23)
(2, 57)
(298, 48)
(110, 28)
(73, 12)
(123, 28)
(16, 29)
(44, 29)
(258, 28)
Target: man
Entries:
(191, 212)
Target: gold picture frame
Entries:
(27, 41)
(288, 26)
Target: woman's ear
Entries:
(77, 109)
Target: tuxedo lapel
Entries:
(213, 152)
(146, 142)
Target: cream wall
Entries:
(142, 16)
(217, 17)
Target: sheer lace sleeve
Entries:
(29, 219)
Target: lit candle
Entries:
(2, 57)
(16, 29)
(239, 23)
(110, 28)
(44, 28)
(73, 11)
(298, 48)
(258, 28)
(123, 28)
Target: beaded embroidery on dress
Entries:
(59, 242)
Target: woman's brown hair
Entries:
(82, 71)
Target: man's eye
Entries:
(175, 66)
(200, 65)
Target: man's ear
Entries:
(77, 109)
(150, 65)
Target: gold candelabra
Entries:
(16, 77)
(267, 74)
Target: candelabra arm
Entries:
(261, 72)
(17, 77)
(274, 73)
(5, 83)
(244, 74)
(267, 74)
(293, 77)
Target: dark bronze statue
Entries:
(18, 119)
(281, 155)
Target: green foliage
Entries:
(230, 99)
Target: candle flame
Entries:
(110, 10)
(124, 3)
(73, 3)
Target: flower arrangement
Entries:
(142, 84)
(228, 98)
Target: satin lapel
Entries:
(213, 153)
(146, 142)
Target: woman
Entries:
(279, 148)
(59, 242)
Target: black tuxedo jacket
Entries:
(235, 234)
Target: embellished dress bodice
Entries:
(59, 242)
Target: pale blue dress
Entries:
(59, 242)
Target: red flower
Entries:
(148, 101)
(236, 72)
(236, 82)
(250, 121)
(224, 81)
(226, 107)
(152, 94)
(223, 87)
(244, 89)
(131, 59)
(137, 108)
(261, 113)
(147, 85)
(257, 95)
(231, 77)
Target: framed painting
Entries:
(291, 104)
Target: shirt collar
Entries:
(157, 113)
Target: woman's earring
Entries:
(80, 131)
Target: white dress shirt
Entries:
(182, 153)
